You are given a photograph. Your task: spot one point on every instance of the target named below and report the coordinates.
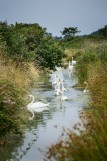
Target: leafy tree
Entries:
(4, 33)
(103, 31)
(32, 35)
(49, 54)
(21, 40)
(30, 42)
(70, 31)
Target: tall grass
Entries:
(90, 56)
(14, 83)
(89, 144)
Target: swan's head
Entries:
(59, 81)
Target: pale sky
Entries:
(87, 15)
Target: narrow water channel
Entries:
(46, 127)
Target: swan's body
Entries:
(73, 61)
(57, 92)
(70, 67)
(63, 98)
(36, 107)
(63, 88)
(55, 81)
(85, 90)
(58, 88)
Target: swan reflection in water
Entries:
(36, 107)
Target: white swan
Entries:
(58, 88)
(86, 90)
(63, 88)
(55, 81)
(73, 61)
(63, 98)
(70, 67)
(36, 106)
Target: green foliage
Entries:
(70, 31)
(21, 40)
(49, 54)
(30, 42)
(82, 65)
(89, 57)
(75, 42)
(103, 31)
(10, 101)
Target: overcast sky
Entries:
(87, 15)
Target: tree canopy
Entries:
(30, 42)
(70, 31)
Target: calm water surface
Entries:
(46, 127)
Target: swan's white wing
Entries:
(38, 104)
(74, 62)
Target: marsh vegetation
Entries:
(25, 51)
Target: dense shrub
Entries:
(49, 54)
(30, 42)
(10, 102)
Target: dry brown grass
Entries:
(22, 76)
(15, 81)
(98, 84)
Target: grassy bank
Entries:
(91, 143)
(14, 83)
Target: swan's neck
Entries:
(69, 64)
(31, 102)
(86, 87)
(58, 85)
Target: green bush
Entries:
(10, 102)
(49, 54)
(87, 58)
(82, 65)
